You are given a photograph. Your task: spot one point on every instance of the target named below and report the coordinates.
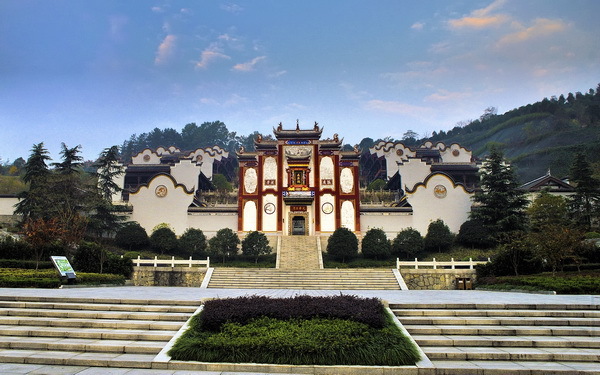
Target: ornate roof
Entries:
(314, 133)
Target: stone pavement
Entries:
(196, 294)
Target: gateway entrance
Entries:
(298, 226)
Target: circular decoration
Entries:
(327, 208)
(399, 152)
(146, 157)
(440, 191)
(199, 158)
(455, 152)
(161, 191)
(269, 208)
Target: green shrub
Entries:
(407, 243)
(192, 243)
(591, 235)
(375, 185)
(163, 240)
(11, 248)
(438, 237)
(25, 264)
(375, 244)
(255, 244)
(131, 236)
(342, 244)
(224, 244)
(313, 339)
(93, 258)
(474, 234)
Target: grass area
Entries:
(585, 282)
(315, 340)
(48, 278)
(358, 262)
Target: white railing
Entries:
(172, 262)
(452, 264)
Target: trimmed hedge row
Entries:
(242, 310)
(27, 278)
(584, 284)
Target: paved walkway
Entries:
(196, 294)
(392, 296)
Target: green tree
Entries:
(104, 219)
(556, 244)
(474, 234)
(376, 185)
(224, 244)
(131, 236)
(192, 243)
(342, 244)
(500, 205)
(31, 202)
(584, 203)
(221, 183)
(71, 160)
(438, 237)
(163, 240)
(255, 244)
(407, 243)
(375, 244)
(547, 210)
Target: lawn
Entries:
(584, 282)
(340, 330)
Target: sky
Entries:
(94, 72)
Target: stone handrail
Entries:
(172, 262)
(452, 264)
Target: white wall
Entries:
(454, 208)
(149, 209)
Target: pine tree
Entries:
(31, 202)
(500, 203)
(584, 203)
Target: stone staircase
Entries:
(88, 332)
(350, 279)
(508, 339)
(299, 252)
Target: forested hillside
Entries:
(535, 137)
(539, 136)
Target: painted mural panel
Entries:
(346, 180)
(348, 215)
(250, 180)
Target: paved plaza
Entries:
(441, 297)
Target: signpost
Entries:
(64, 268)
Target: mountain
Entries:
(536, 137)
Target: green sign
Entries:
(63, 266)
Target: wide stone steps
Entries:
(233, 278)
(299, 252)
(86, 332)
(515, 338)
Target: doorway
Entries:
(298, 226)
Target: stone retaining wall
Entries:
(168, 276)
(438, 279)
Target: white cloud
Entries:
(481, 18)
(248, 66)
(232, 8)
(165, 49)
(541, 27)
(209, 55)
(417, 26)
(157, 9)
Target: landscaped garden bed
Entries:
(304, 330)
(584, 282)
(48, 278)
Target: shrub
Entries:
(255, 244)
(192, 243)
(163, 240)
(438, 237)
(90, 257)
(342, 244)
(375, 244)
(242, 310)
(513, 258)
(375, 185)
(407, 243)
(11, 248)
(224, 244)
(131, 237)
(474, 234)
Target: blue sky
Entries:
(94, 72)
